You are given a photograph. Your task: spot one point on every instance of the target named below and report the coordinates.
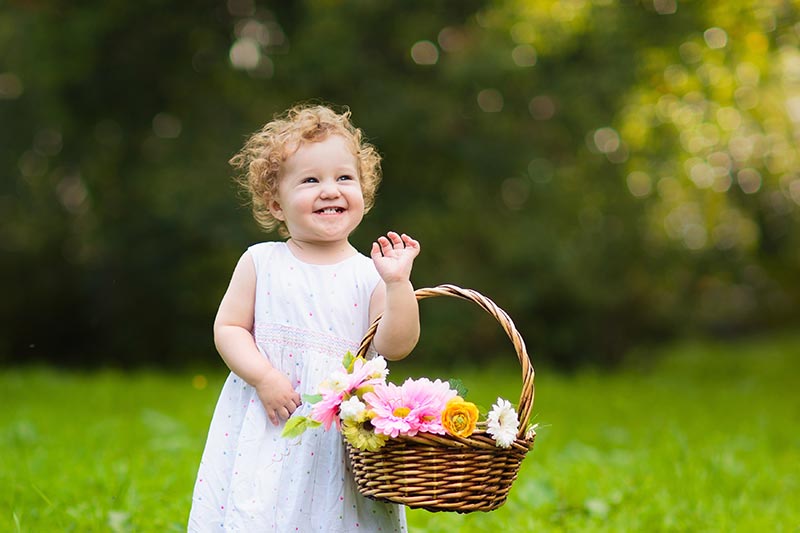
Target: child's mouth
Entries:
(329, 211)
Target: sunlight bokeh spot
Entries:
(72, 193)
(265, 68)
(540, 170)
(691, 52)
(424, 53)
(746, 97)
(666, 106)
(451, 39)
(749, 180)
(524, 55)
(692, 141)
(639, 184)
(669, 189)
(542, 107)
(32, 164)
(199, 382)
(620, 155)
(747, 73)
(255, 30)
(715, 38)
(729, 118)
(665, 7)
(166, 126)
(700, 173)
(490, 100)
(606, 140)
(722, 181)
(741, 147)
(695, 236)
(721, 160)
(245, 53)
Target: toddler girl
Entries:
(290, 313)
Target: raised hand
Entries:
(393, 256)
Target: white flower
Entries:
(352, 410)
(531, 431)
(502, 423)
(375, 368)
(337, 383)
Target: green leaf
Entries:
(458, 386)
(348, 360)
(297, 425)
(311, 398)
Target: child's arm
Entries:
(234, 340)
(398, 330)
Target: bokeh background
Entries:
(613, 173)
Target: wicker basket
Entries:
(447, 473)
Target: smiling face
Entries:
(319, 195)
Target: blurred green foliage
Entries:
(610, 172)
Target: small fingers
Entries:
(385, 246)
(409, 242)
(381, 247)
(279, 414)
(293, 405)
(397, 241)
(284, 412)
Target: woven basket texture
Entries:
(444, 472)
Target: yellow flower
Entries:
(360, 434)
(459, 417)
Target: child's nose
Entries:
(330, 189)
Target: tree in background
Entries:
(609, 172)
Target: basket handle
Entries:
(526, 396)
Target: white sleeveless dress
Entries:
(250, 479)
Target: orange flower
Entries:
(459, 417)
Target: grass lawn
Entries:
(704, 439)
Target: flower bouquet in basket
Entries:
(422, 444)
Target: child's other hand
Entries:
(393, 256)
(280, 400)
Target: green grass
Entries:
(706, 439)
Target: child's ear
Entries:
(276, 210)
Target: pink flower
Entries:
(367, 373)
(342, 385)
(326, 411)
(413, 408)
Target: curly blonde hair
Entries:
(262, 156)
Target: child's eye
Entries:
(345, 177)
(309, 180)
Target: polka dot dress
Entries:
(250, 479)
